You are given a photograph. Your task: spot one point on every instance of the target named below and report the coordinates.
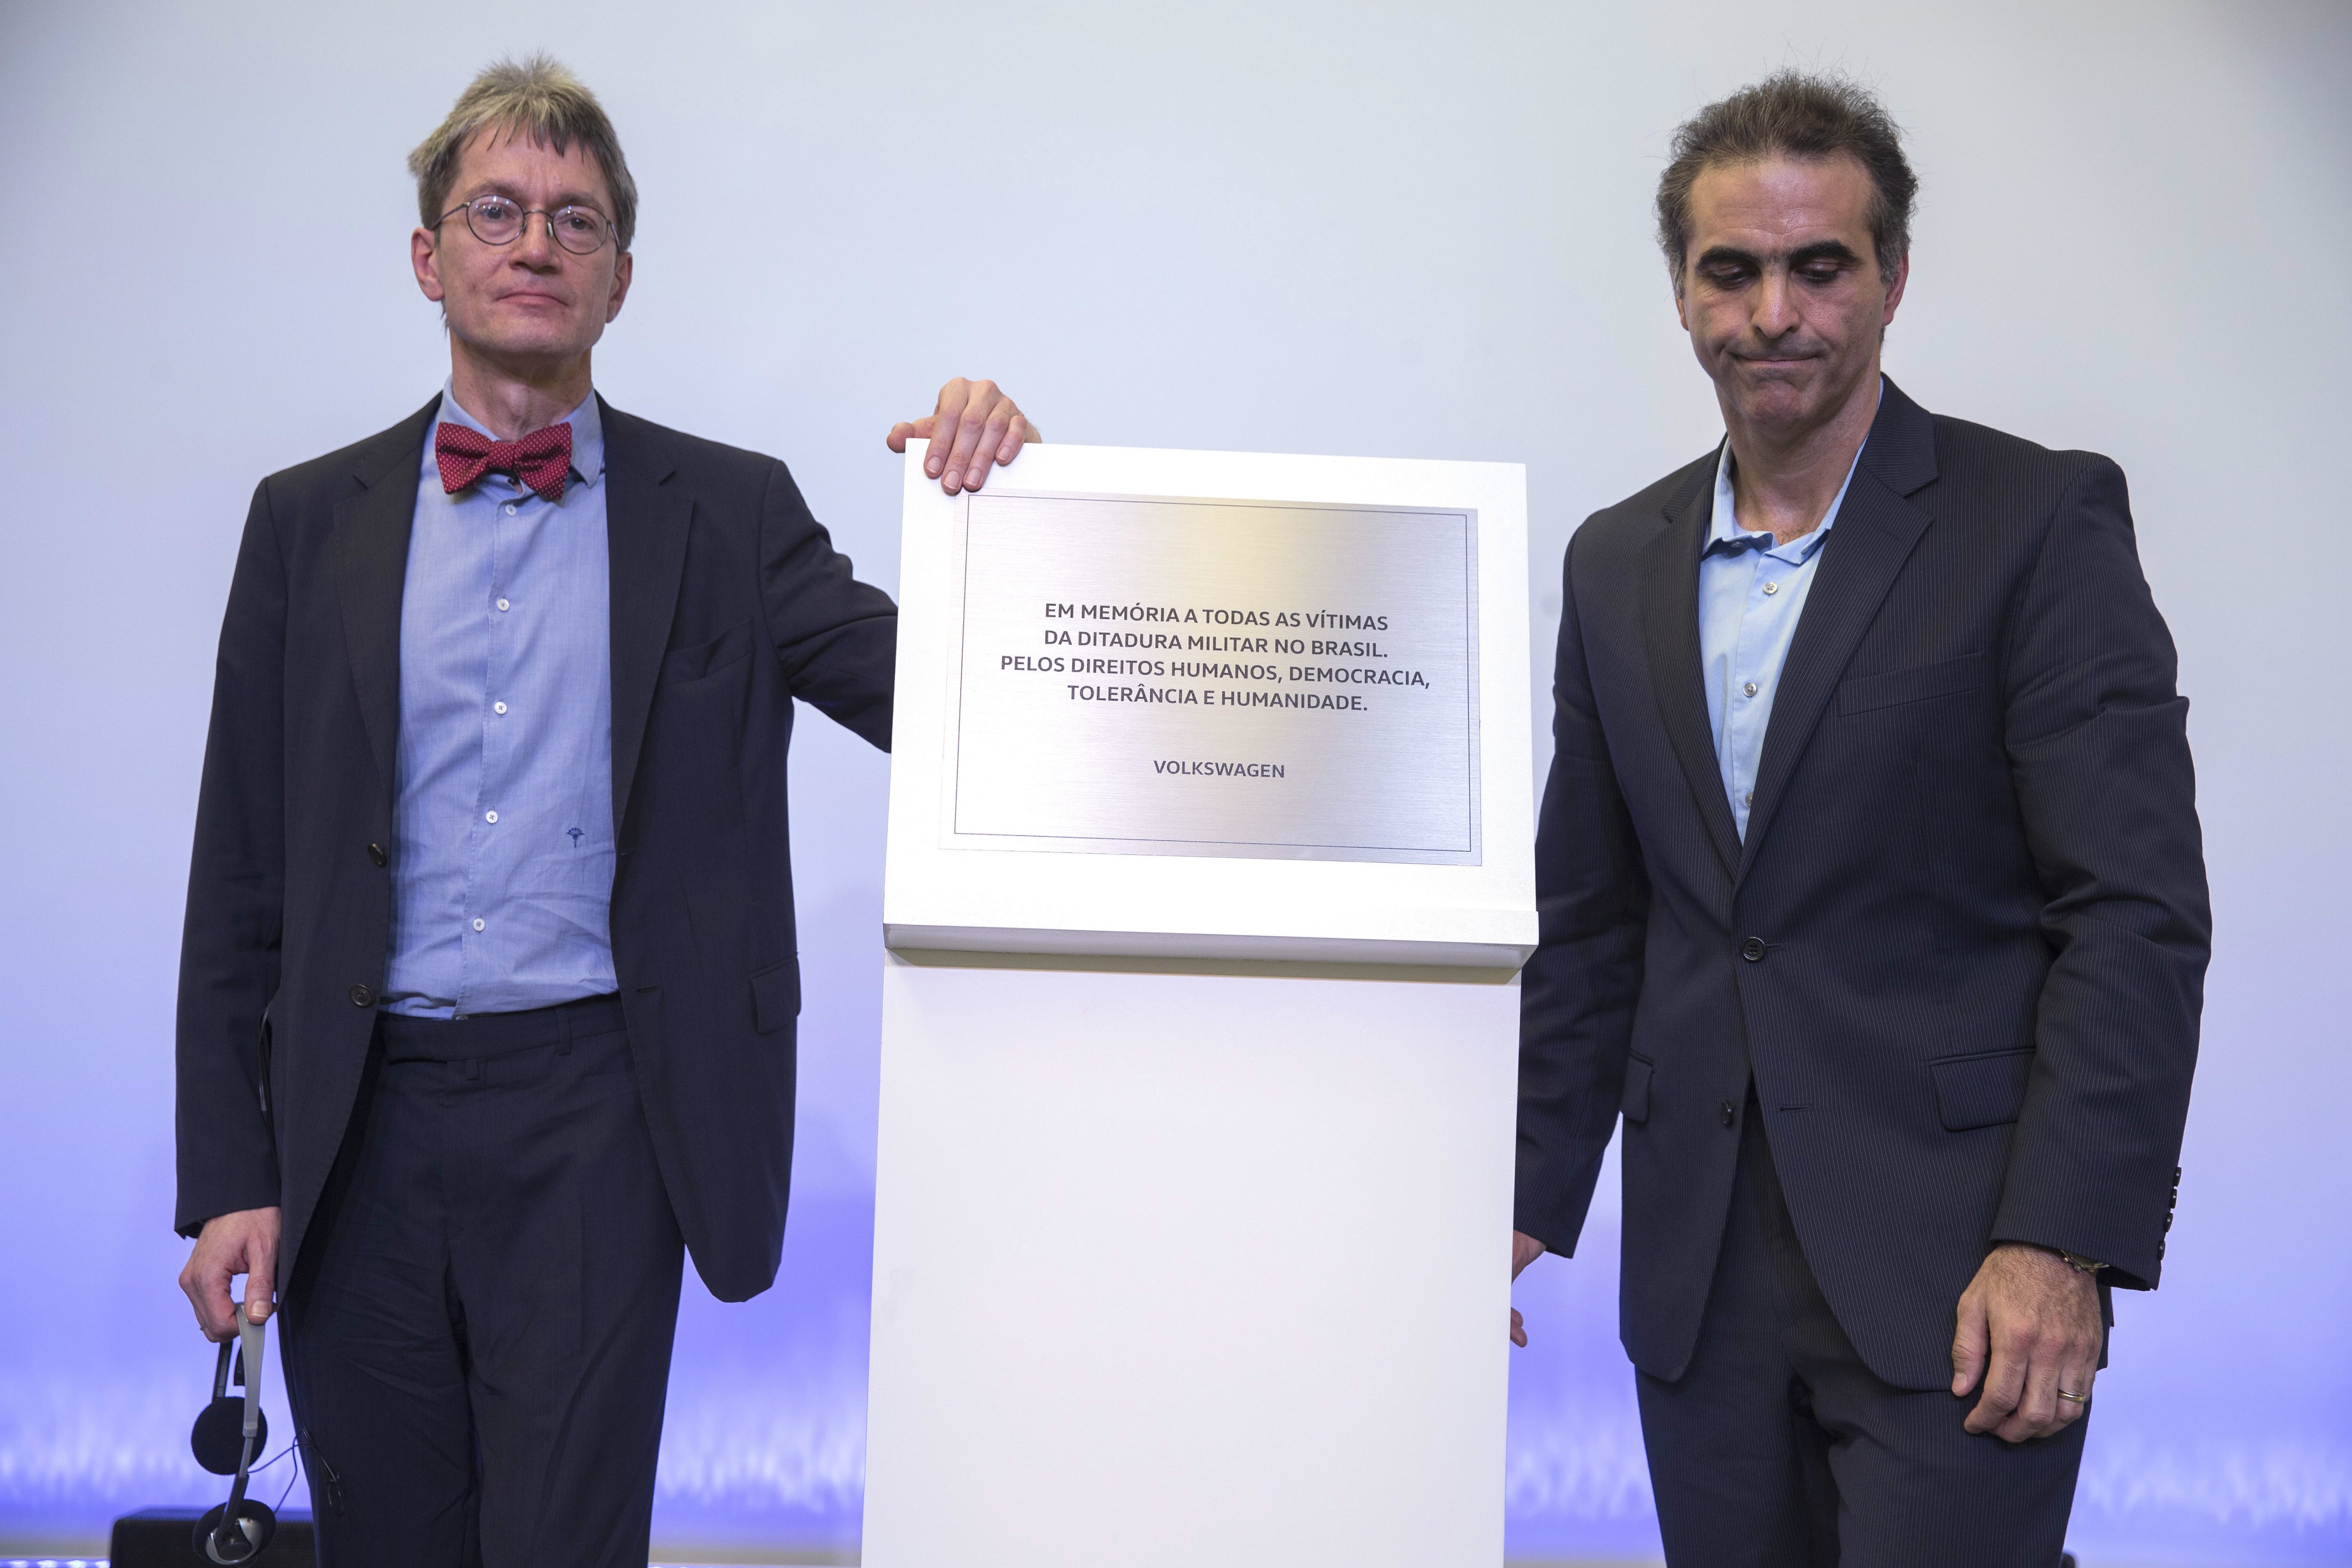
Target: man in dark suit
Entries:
(1872, 895)
(488, 987)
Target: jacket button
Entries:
(1729, 1115)
(2167, 1222)
(362, 997)
(375, 853)
(1752, 950)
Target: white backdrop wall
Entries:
(1356, 229)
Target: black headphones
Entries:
(229, 1434)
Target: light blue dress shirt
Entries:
(1751, 593)
(502, 811)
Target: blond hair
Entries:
(535, 98)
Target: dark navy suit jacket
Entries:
(727, 602)
(1962, 949)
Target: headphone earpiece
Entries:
(218, 1440)
(239, 1536)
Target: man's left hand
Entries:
(2030, 1326)
(974, 425)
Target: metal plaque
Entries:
(1151, 676)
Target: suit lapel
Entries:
(371, 531)
(1874, 534)
(646, 523)
(1670, 638)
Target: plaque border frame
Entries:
(1148, 908)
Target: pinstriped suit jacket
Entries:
(1961, 951)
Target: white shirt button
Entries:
(493, 816)
(511, 509)
(1750, 688)
(502, 605)
(477, 925)
(1769, 587)
(498, 707)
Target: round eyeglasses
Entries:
(499, 220)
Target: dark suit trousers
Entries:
(477, 1333)
(1779, 1448)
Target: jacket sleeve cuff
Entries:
(257, 1190)
(1551, 1205)
(2128, 1267)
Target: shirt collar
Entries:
(587, 423)
(1724, 529)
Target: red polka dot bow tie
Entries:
(542, 459)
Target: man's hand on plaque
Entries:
(1525, 1250)
(974, 425)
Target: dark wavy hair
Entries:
(1790, 114)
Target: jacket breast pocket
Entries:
(1636, 1101)
(1981, 1090)
(776, 995)
(1947, 678)
(707, 658)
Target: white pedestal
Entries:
(1191, 1247)
(1190, 1268)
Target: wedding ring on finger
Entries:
(2075, 1398)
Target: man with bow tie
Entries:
(488, 987)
